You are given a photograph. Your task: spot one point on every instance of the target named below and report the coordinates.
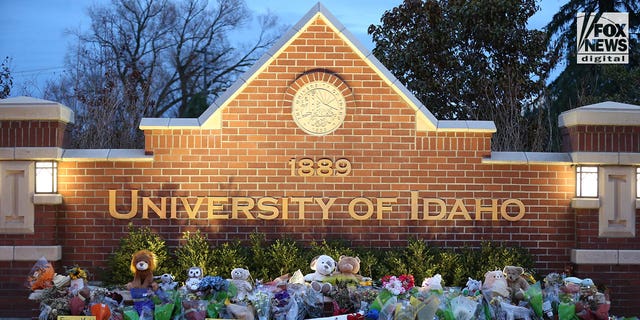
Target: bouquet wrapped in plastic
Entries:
(261, 300)
(41, 275)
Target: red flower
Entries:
(407, 281)
(355, 316)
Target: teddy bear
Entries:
(194, 276)
(240, 279)
(495, 284)
(167, 282)
(516, 284)
(323, 266)
(348, 267)
(143, 263)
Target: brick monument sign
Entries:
(320, 141)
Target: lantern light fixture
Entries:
(46, 176)
(586, 182)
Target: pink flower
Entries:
(398, 285)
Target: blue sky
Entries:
(34, 32)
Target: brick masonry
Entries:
(250, 156)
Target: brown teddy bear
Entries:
(143, 263)
(348, 267)
(516, 283)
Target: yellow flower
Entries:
(77, 273)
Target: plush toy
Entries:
(167, 282)
(194, 276)
(495, 284)
(240, 279)
(472, 288)
(433, 284)
(323, 266)
(516, 283)
(348, 267)
(143, 263)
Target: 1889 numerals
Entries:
(306, 167)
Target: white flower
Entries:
(395, 286)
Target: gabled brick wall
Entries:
(254, 154)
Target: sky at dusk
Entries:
(34, 33)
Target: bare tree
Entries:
(153, 58)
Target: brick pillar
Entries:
(607, 136)
(30, 130)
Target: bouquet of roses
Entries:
(393, 289)
(400, 285)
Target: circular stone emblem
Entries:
(318, 108)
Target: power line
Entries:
(23, 72)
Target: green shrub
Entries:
(369, 263)
(420, 259)
(259, 262)
(225, 258)
(195, 252)
(332, 248)
(119, 262)
(284, 256)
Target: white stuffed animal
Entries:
(240, 279)
(194, 276)
(495, 283)
(323, 266)
(167, 282)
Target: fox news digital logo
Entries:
(603, 38)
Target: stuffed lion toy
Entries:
(143, 263)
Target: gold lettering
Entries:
(192, 212)
(174, 207)
(325, 206)
(506, 216)
(113, 210)
(244, 205)
(285, 208)
(414, 205)
(459, 209)
(268, 204)
(443, 209)
(493, 209)
(147, 203)
(271, 208)
(356, 201)
(381, 206)
(216, 204)
(301, 202)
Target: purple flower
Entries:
(282, 298)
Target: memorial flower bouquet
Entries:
(261, 301)
(216, 290)
(392, 300)
(41, 275)
(399, 286)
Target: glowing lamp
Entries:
(46, 177)
(586, 182)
